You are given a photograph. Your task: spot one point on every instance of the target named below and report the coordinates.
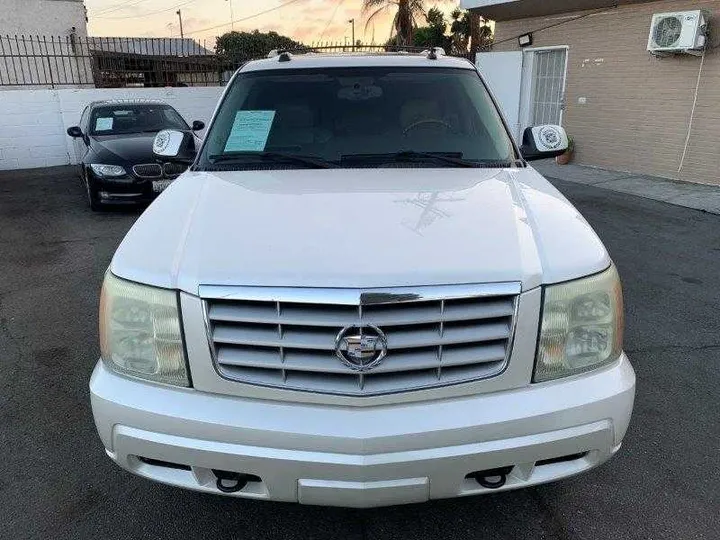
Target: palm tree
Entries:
(405, 20)
(460, 29)
(469, 29)
(481, 35)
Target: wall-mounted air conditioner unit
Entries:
(680, 32)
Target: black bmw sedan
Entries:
(113, 146)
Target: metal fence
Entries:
(40, 61)
(72, 61)
(77, 62)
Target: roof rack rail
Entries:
(286, 55)
(366, 49)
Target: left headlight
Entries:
(108, 171)
(582, 326)
(140, 332)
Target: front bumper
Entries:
(363, 457)
(125, 190)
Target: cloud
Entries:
(196, 23)
(304, 20)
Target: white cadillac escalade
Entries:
(361, 294)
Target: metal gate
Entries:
(548, 86)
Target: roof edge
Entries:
(508, 10)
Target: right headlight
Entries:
(582, 326)
(140, 332)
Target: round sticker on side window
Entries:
(168, 142)
(550, 137)
(161, 142)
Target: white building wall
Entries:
(35, 121)
(42, 17)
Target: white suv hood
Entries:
(359, 228)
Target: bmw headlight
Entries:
(582, 326)
(108, 171)
(140, 332)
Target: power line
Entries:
(337, 6)
(244, 18)
(148, 13)
(116, 7)
(567, 21)
(692, 113)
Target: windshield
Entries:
(356, 117)
(129, 118)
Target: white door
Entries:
(503, 72)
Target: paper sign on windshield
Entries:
(103, 124)
(250, 131)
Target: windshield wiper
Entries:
(411, 156)
(239, 157)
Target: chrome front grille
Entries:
(148, 170)
(288, 338)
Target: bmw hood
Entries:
(359, 228)
(132, 148)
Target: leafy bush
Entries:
(235, 47)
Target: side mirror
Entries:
(176, 146)
(542, 142)
(197, 125)
(75, 132)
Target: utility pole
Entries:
(232, 17)
(179, 14)
(352, 21)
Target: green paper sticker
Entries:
(250, 131)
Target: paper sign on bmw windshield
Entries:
(103, 124)
(250, 131)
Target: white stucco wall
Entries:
(34, 121)
(42, 17)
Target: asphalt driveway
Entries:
(56, 482)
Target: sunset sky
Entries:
(304, 20)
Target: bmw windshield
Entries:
(133, 118)
(357, 117)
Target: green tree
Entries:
(464, 27)
(432, 35)
(404, 23)
(460, 30)
(237, 47)
(436, 18)
(481, 35)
